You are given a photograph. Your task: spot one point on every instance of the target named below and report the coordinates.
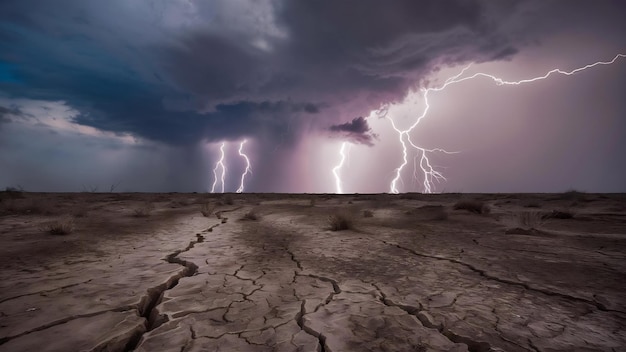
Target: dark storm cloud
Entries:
(356, 130)
(201, 74)
(6, 112)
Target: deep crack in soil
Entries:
(472, 345)
(484, 274)
(155, 294)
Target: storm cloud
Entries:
(182, 71)
(356, 130)
(183, 75)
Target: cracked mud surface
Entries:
(406, 279)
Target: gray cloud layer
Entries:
(179, 71)
(357, 130)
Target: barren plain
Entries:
(271, 272)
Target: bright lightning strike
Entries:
(248, 169)
(218, 165)
(336, 169)
(430, 174)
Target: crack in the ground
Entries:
(66, 320)
(239, 332)
(218, 214)
(484, 274)
(418, 312)
(300, 321)
(501, 334)
(155, 294)
(45, 291)
(300, 316)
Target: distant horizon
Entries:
(12, 189)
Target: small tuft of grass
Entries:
(473, 206)
(251, 215)
(340, 222)
(63, 226)
(207, 210)
(529, 219)
(144, 210)
(368, 213)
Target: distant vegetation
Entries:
(144, 210)
(251, 215)
(340, 222)
(529, 219)
(474, 206)
(63, 226)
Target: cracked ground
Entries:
(417, 275)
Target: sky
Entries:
(139, 95)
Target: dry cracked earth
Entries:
(265, 273)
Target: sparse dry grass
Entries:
(251, 215)
(528, 219)
(207, 210)
(474, 206)
(368, 213)
(340, 222)
(144, 210)
(62, 226)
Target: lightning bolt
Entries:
(336, 169)
(219, 164)
(248, 170)
(429, 173)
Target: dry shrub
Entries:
(368, 213)
(474, 206)
(207, 210)
(144, 210)
(528, 219)
(340, 222)
(559, 214)
(12, 193)
(63, 226)
(312, 202)
(251, 215)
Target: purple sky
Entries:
(142, 93)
